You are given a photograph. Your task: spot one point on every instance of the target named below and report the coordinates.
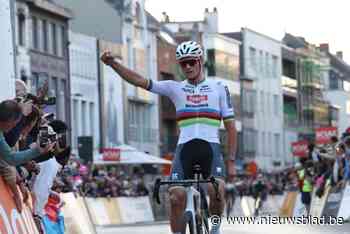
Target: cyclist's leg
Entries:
(177, 194)
(217, 170)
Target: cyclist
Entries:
(259, 193)
(200, 104)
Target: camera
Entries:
(46, 135)
(48, 117)
(48, 101)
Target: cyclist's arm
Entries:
(159, 87)
(231, 138)
(129, 75)
(228, 115)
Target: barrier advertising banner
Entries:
(76, 216)
(287, 207)
(333, 203)
(318, 203)
(135, 209)
(299, 208)
(344, 210)
(11, 221)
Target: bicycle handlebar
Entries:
(184, 183)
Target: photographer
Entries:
(59, 157)
(10, 113)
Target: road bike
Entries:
(196, 214)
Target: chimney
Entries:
(212, 21)
(339, 55)
(324, 47)
(165, 17)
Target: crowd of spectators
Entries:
(33, 148)
(102, 181)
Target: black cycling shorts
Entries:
(206, 154)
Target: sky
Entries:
(319, 21)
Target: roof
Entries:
(152, 21)
(234, 35)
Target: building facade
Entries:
(312, 67)
(140, 32)
(92, 20)
(262, 57)
(84, 94)
(337, 89)
(42, 51)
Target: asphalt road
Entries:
(163, 228)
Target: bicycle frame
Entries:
(193, 195)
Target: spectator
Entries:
(10, 113)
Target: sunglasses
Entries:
(191, 63)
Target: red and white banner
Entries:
(299, 148)
(111, 154)
(323, 135)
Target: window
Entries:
(140, 122)
(275, 66)
(262, 100)
(83, 117)
(270, 146)
(261, 62)
(276, 104)
(277, 145)
(45, 36)
(264, 146)
(252, 58)
(249, 139)
(35, 33)
(261, 144)
(62, 100)
(63, 41)
(268, 105)
(21, 29)
(346, 85)
(267, 65)
(75, 125)
(211, 62)
(92, 118)
(54, 38)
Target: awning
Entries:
(130, 155)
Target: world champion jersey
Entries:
(199, 108)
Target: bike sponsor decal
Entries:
(197, 98)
